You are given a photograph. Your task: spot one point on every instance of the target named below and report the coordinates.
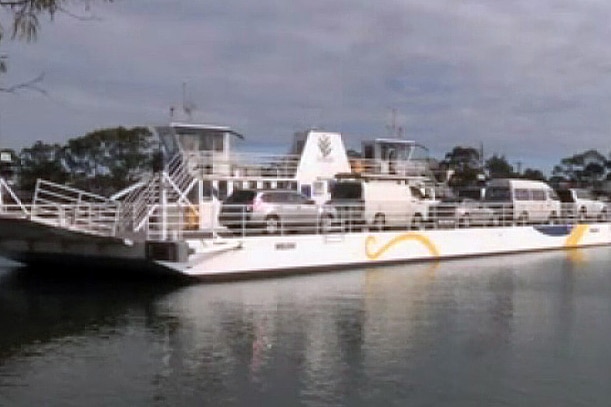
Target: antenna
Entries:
(393, 129)
(187, 106)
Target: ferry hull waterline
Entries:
(213, 214)
(325, 253)
(263, 256)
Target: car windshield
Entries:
(565, 195)
(241, 196)
(497, 194)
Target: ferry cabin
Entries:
(203, 166)
(209, 154)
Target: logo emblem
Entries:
(324, 145)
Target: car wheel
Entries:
(272, 225)
(417, 222)
(582, 215)
(378, 222)
(553, 219)
(603, 216)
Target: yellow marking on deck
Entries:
(374, 254)
(575, 236)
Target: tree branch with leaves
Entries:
(24, 25)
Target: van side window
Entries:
(497, 194)
(521, 194)
(346, 190)
(538, 195)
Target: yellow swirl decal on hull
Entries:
(576, 234)
(372, 254)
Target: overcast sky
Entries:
(528, 79)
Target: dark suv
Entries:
(274, 211)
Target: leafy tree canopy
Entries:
(103, 161)
(42, 160)
(499, 167)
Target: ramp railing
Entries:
(73, 208)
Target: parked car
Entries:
(378, 204)
(463, 212)
(522, 201)
(580, 204)
(274, 211)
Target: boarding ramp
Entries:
(66, 207)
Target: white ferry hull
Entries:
(294, 253)
(32, 243)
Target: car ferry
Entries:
(169, 221)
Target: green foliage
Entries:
(104, 161)
(24, 23)
(533, 174)
(41, 161)
(108, 160)
(25, 15)
(583, 169)
(499, 167)
(465, 162)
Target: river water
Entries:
(516, 330)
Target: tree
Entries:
(583, 169)
(103, 161)
(498, 167)
(465, 162)
(41, 161)
(108, 160)
(533, 174)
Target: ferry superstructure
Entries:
(168, 222)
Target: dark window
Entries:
(538, 195)
(498, 194)
(521, 194)
(241, 196)
(565, 195)
(346, 190)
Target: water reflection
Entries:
(38, 309)
(465, 331)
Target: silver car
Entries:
(274, 211)
(463, 212)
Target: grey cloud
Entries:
(519, 76)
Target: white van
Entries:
(379, 204)
(522, 201)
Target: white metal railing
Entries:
(9, 201)
(98, 219)
(204, 164)
(69, 207)
(180, 220)
(243, 220)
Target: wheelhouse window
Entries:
(195, 139)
